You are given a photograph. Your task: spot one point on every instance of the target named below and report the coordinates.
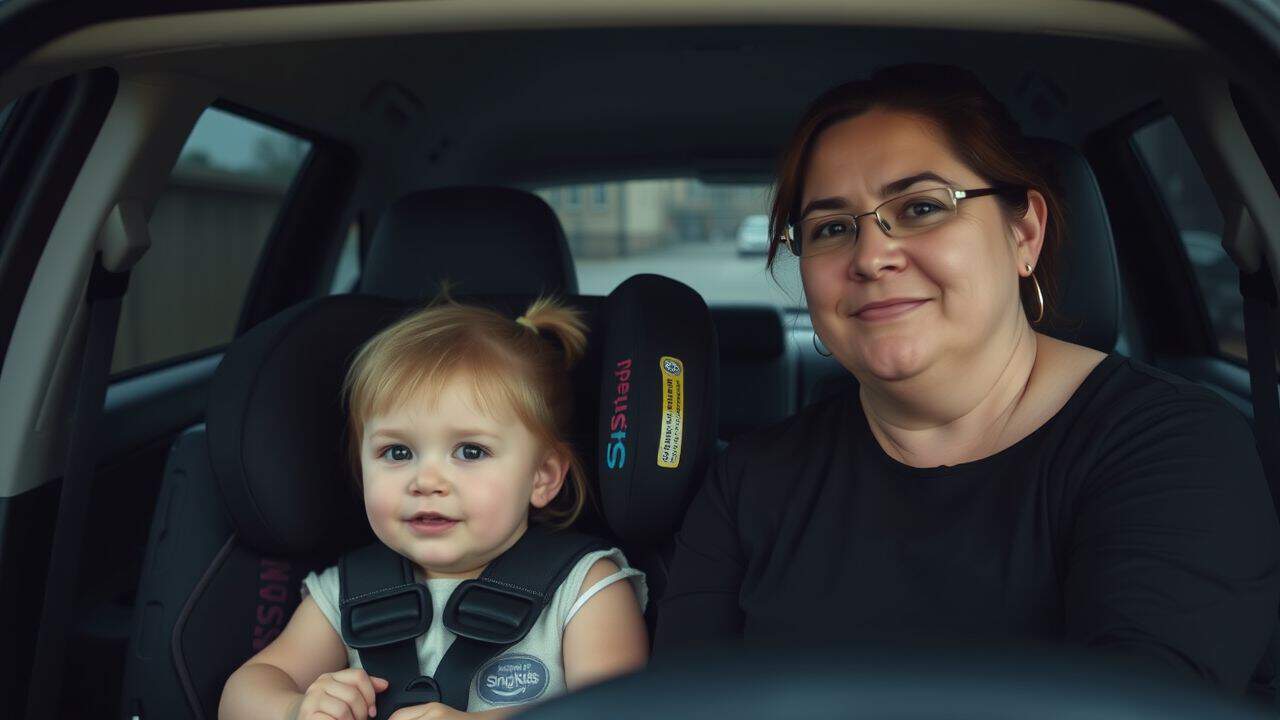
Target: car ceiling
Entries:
(528, 107)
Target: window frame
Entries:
(307, 235)
(1154, 268)
(59, 123)
(265, 288)
(1210, 336)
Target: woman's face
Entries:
(953, 289)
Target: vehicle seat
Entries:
(484, 240)
(260, 495)
(758, 368)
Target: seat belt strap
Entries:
(1260, 305)
(498, 609)
(384, 610)
(103, 295)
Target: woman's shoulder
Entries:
(1129, 389)
(1128, 406)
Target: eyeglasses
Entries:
(899, 217)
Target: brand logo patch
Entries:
(512, 679)
(616, 452)
(274, 583)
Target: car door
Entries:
(240, 195)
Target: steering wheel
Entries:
(996, 682)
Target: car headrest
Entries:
(485, 240)
(276, 425)
(1088, 274)
(750, 332)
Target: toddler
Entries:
(457, 424)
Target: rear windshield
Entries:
(712, 237)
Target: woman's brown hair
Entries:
(978, 128)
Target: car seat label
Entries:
(616, 454)
(671, 432)
(512, 679)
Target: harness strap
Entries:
(498, 609)
(384, 610)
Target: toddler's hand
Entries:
(429, 711)
(343, 695)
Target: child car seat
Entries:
(261, 494)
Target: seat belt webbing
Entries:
(536, 565)
(366, 571)
(104, 294)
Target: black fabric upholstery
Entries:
(649, 318)
(276, 427)
(485, 240)
(758, 368)
(205, 601)
(1088, 274)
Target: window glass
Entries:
(1199, 221)
(207, 232)
(347, 272)
(710, 237)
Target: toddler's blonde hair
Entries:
(511, 366)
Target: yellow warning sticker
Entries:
(671, 433)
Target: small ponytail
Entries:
(565, 323)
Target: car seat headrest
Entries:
(484, 240)
(750, 332)
(657, 405)
(277, 434)
(1088, 274)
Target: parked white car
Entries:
(753, 235)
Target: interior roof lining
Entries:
(223, 28)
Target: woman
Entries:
(984, 481)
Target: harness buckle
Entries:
(490, 613)
(387, 616)
(418, 691)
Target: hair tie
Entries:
(525, 322)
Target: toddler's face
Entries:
(448, 486)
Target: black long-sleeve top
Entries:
(1137, 519)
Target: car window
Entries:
(1198, 219)
(712, 237)
(346, 273)
(207, 232)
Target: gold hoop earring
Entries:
(817, 348)
(1039, 295)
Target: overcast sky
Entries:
(229, 141)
